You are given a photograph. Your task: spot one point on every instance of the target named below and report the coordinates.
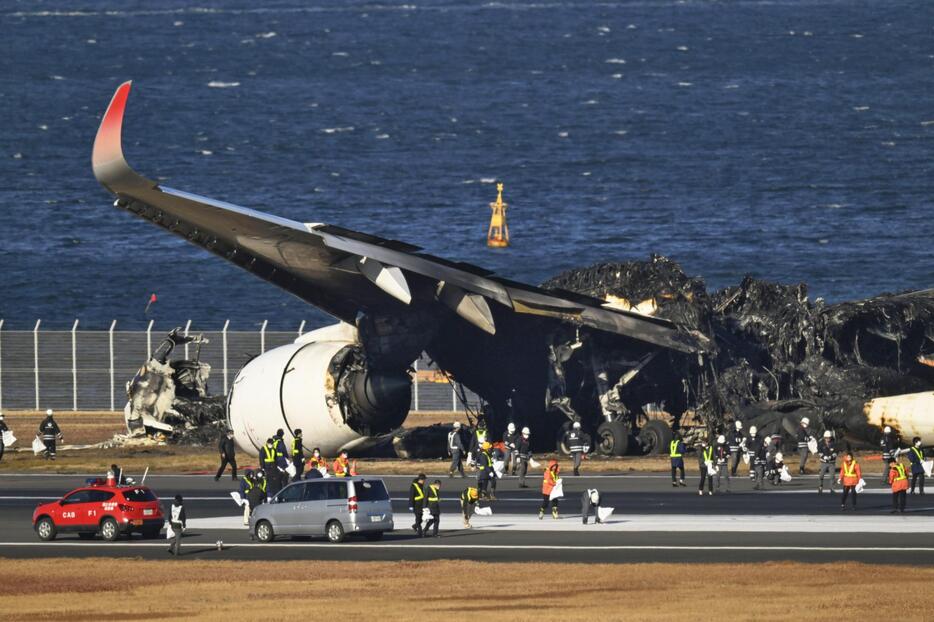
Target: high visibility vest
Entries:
(673, 450)
(708, 454)
(900, 472)
(249, 484)
(849, 468)
(489, 460)
(296, 446)
(433, 494)
(279, 443)
(419, 493)
(553, 474)
(918, 453)
(470, 495)
(262, 484)
(269, 454)
(340, 467)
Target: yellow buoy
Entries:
(498, 235)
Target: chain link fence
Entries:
(88, 369)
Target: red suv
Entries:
(99, 508)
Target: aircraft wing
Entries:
(344, 272)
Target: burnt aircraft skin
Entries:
(491, 334)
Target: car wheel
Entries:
(264, 532)
(373, 536)
(86, 535)
(109, 530)
(335, 532)
(45, 529)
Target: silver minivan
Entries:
(333, 507)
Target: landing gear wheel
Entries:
(560, 447)
(655, 436)
(612, 438)
(45, 529)
(264, 532)
(335, 532)
(109, 530)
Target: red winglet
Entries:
(107, 158)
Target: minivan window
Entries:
(371, 490)
(291, 494)
(315, 491)
(336, 490)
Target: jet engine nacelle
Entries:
(322, 385)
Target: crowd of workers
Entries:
(763, 456)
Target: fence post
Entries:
(187, 326)
(74, 366)
(110, 334)
(149, 340)
(416, 385)
(1, 363)
(35, 358)
(301, 328)
(224, 342)
(262, 337)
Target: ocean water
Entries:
(788, 140)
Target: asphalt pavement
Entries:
(652, 522)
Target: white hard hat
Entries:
(753, 430)
(827, 434)
(778, 456)
(48, 412)
(805, 421)
(887, 429)
(525, 432)
(739, 425)
(721, 439)
(457, 425)
(577, 424)
(511, 427)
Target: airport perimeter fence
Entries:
(89, 369)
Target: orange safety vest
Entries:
(341, 466)
(850, 472)
(898, 477)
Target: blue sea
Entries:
(789, 140)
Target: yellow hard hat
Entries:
(486, 445)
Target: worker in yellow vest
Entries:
(676, 454)
(705, 465)
(898, 478)
(433, 498)
(417, 501)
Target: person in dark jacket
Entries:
(752, 442)
(736, 446)
(434, 508)
(267, 461)
(804, 437)
(916, 455)
(759, 460)
(3, 428)
(524, 454)
(49, 432)
(576, 441)
(247, 483)
(469, 498)
(676, 455)
(477, 438)
(590, 501)
(118, 475)
(178, 521)
(827, 452)
(889, 446)
(226, 449)
(298, 455)
(456, 450)
(258, 493)
(417, 501)
(510, 442)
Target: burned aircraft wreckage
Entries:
(632, 350)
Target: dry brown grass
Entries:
(79, 428)
(96, 589)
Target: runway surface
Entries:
(652, 522)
